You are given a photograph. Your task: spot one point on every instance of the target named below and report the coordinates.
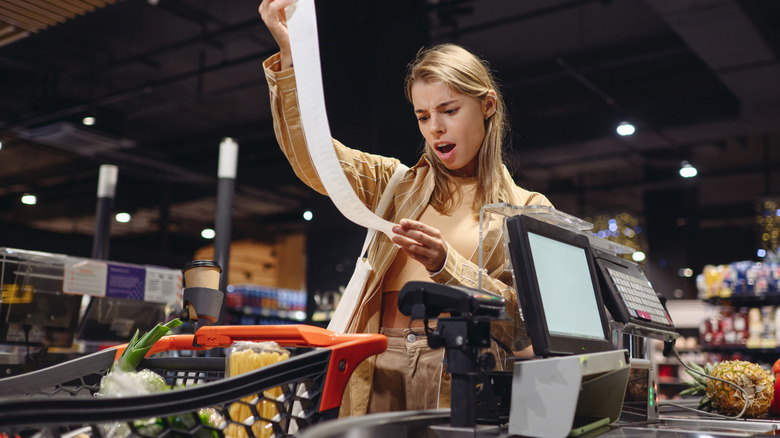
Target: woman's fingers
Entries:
(419, 229)
(422, 243)
(273, 15)
(411, 245)
(415, 251)
(417, 233)
(273, 8)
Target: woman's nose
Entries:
(436, 126)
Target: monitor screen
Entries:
(557, 288)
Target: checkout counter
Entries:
(417, 424)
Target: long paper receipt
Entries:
(302, 25)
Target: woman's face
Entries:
(453, 124)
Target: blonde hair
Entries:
(466, 74)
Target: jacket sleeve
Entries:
(367, 174)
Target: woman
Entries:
(461, 116)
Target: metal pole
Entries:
(226, 173)
(105, 204)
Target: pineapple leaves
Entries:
(698, 378)
(694, 390)
(698, 386)
(705, 403)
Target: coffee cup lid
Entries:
(201, 264)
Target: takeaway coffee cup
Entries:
(202, 296)
(202, 273)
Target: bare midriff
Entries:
(391, 316)
(401, 271)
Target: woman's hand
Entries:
(422, 243)
(272, 13)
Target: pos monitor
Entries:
(557, 288)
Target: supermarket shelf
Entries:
(738, 349)
(322, 316)
(293, 315)
(745, 300)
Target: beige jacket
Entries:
(369, 174)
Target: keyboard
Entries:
(628, 294)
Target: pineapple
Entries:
(727, 399)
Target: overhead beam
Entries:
(177, 45)
(722, 34)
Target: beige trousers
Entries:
(409, 375)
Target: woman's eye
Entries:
(451, 111)
(422, 118)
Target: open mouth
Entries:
(445, 148)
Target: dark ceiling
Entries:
(168, 79)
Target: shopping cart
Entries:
(59, 401)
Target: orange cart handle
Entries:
(348, 350)
(209, 337)
(298, 335)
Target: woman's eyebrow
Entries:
(441, 105)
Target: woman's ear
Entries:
(489, 104)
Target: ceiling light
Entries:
(638, 256)
(29, 199)
(88, 121)
(685, 272)
(625, 128)
(308, 215)
(1, 145)
(122, 217)
(761, 253)
(208, 233)
(688, 171)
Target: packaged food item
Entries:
(243, 357)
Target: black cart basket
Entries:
(276, 400)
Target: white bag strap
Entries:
(384, 202)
